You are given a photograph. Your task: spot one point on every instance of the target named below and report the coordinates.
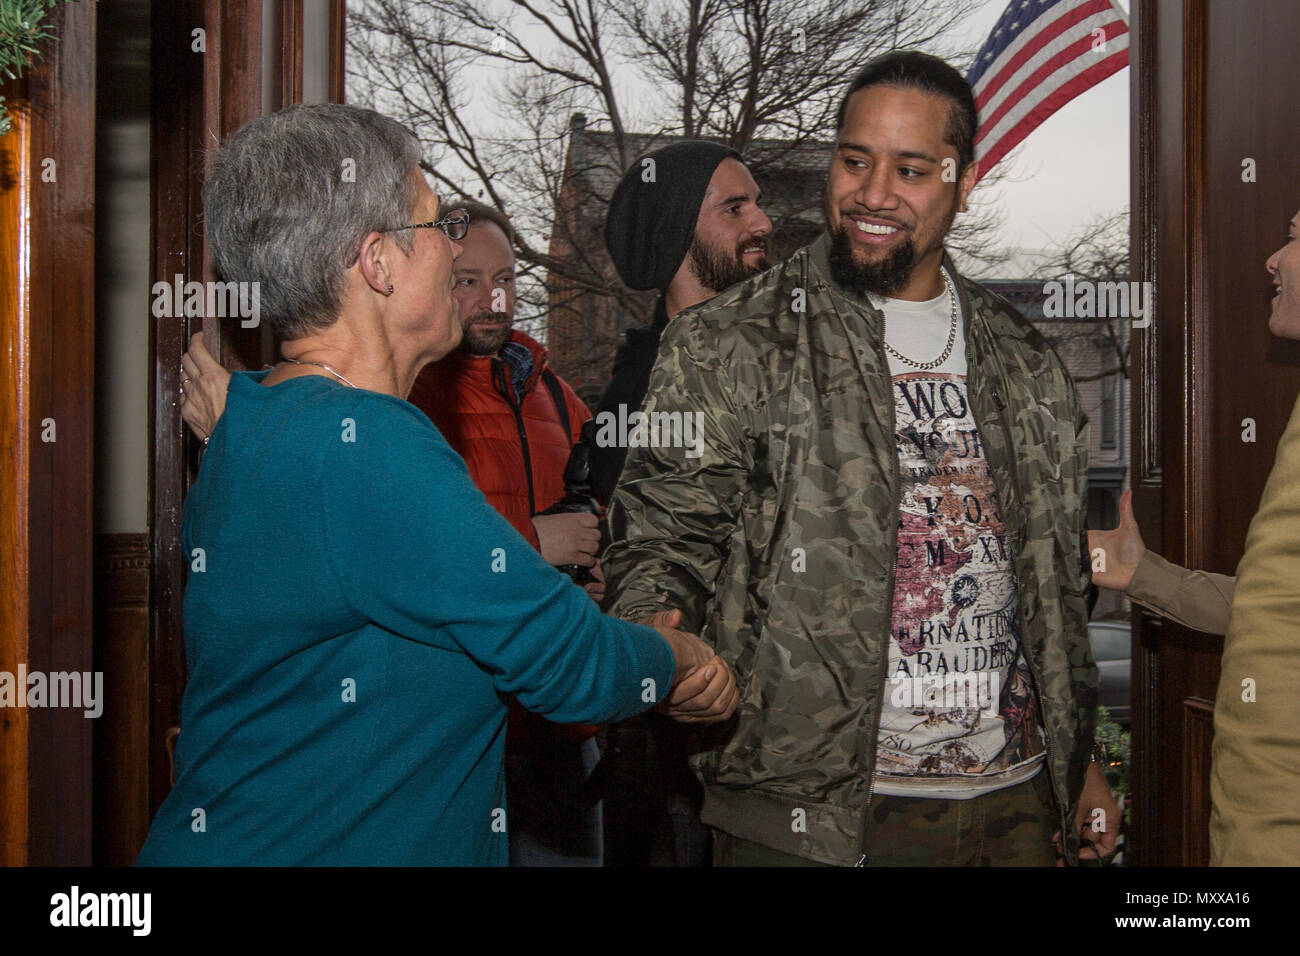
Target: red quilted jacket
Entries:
(469, 399)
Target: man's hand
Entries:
(568, 538)
(707, 695)
(1122, 548)
(595, 588)
(689, 652)
(1099, 830)
(704, 688)
(203, 388)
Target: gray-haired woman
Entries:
(356, 612)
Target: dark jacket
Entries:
(627, 386)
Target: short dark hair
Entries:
(911, 69)
(479, 212)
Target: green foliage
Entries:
(22, 31)
(1118, 743)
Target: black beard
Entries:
(717, 271)
(882, 278)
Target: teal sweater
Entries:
(356, 615)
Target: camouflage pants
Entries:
(1011, 827)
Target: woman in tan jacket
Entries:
(1255, 778)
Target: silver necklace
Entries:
(326, 368)
(952, 333)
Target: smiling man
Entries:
(684, 220)
(883, 535)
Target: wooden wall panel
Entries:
(1198, 735)
(122, 809)
(1251, 374)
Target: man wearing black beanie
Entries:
(684, 220)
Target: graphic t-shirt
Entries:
(959, 717)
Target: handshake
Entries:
(704, 690)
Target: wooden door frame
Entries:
(198, 102)
(1170, 438)
(47, 333)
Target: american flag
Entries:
(1040, 55)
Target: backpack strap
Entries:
(561, 406)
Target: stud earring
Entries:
(390, 288)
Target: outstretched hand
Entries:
(1121, 549)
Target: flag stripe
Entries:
(1027, 44)
(1030, 122)
(1037, 58)
(1070, 57)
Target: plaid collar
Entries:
(519, 359)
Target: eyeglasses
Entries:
(454, 225)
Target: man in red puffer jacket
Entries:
(498, 405)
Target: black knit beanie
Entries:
(650, 225)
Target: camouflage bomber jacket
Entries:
(786, 378)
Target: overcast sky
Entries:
(1071, 170)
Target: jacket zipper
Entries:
(1047, 741)
(503, 386)
(874, 739)
(1024, 630)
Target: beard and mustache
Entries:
(717, 269)
(481, 342)
(885, 276)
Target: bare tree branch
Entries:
(764, 76)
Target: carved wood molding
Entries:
(122, 563)
(338, 47)
(1196, 332)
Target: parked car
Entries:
(1112, 643)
